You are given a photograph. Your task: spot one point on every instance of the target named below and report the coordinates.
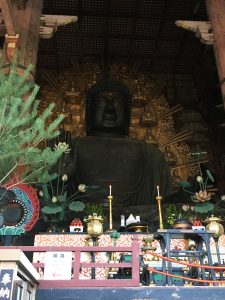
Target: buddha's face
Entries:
(108, 111)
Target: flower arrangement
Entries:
(94, 209)
(54, 194)
(173, 213)
(198, 188)
(58, 203)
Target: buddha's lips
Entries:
(109, 117)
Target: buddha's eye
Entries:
(102, 101)
(117, 102)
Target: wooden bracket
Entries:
(203, 30)
(12, 43)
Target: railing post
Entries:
(76, 264)
(135, 262)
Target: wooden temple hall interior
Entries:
(121, 183)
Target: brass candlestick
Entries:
(159, 199)
(110, 198)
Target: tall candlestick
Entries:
(110, 190)
(159, 199)
(157, 190)
(110, 198)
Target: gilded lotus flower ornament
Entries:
(202, 196)
(197, 188)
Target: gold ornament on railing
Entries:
(213, 224)
(94, 225)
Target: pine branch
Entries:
(12, 169)
(22, 130)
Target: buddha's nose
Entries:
(110, 113)
(110, 106)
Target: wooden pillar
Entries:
(22, 18)
(6, 8)
(216, 13)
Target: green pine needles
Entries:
(22, 131)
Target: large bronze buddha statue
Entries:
(106, 156)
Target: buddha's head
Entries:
(108, 109)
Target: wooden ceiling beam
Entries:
(131, 38)
(159, 31)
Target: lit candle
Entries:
(110, 190)
(157, 190)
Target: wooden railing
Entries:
(77, 265)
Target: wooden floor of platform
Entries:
(141, 293)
